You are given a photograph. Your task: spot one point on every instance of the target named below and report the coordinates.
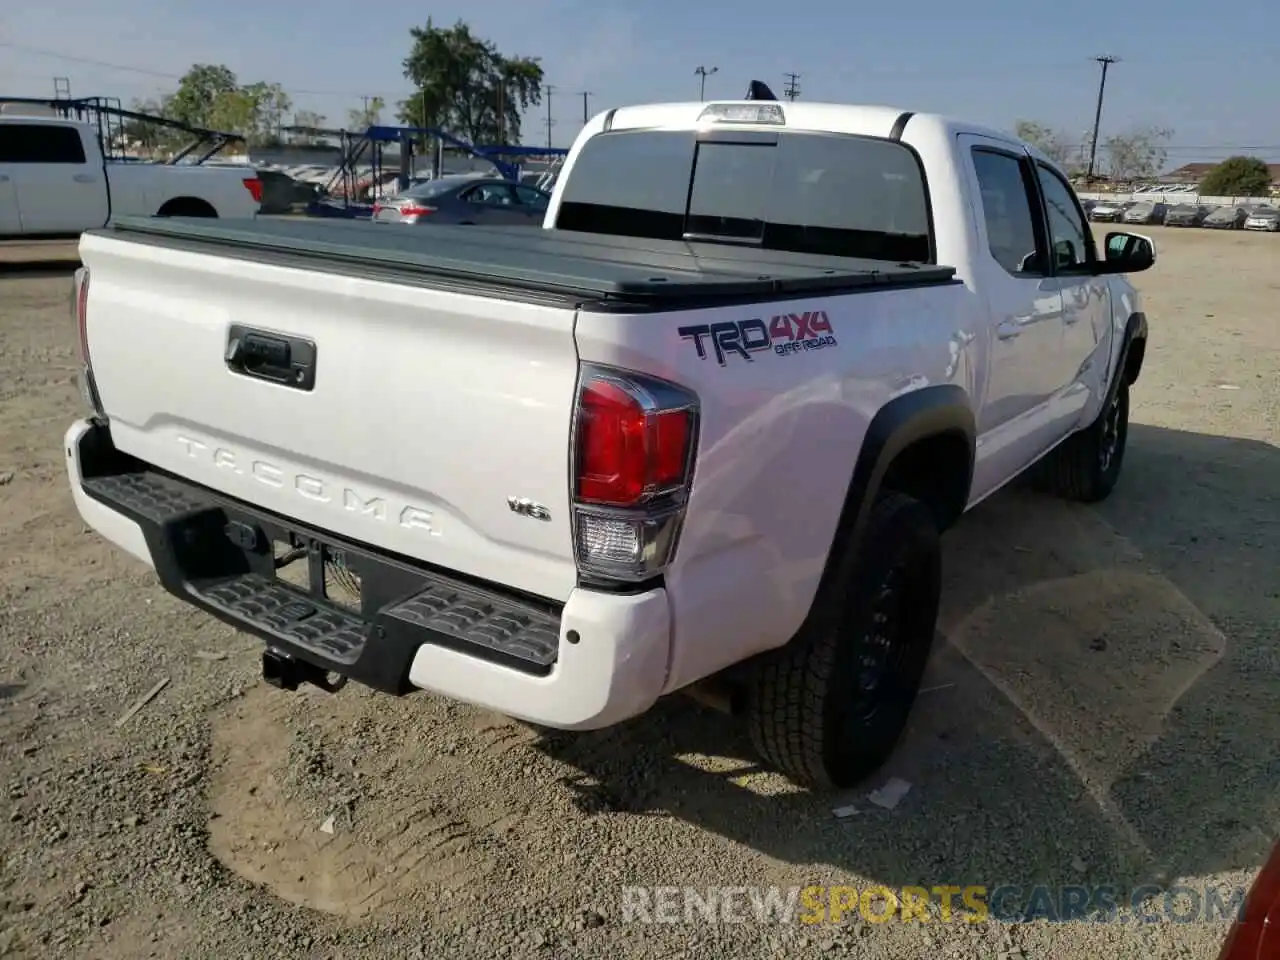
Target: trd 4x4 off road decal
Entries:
(783, 334)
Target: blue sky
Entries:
(994, 61)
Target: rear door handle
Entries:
(1007, 331)
(84, 178)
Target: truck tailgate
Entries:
(428, 411)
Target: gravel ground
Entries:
(1105, 712)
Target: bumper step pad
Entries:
(188, 530)
(472, 617)
(320, 627)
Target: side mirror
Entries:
(1128, 253)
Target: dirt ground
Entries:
(1105, 709)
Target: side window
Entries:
(40, 143)
(531, 197)
(1007, 212)
(492, 194)
(1069, 235)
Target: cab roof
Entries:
(858, 119)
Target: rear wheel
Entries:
(828, 708)
(1086, 466)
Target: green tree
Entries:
(466, 86)
(309, 119)
(1137, 155)
(269, 104)
(195, 102)
(1049, 141)
(369, 115)
(150, 137)
(210, 96)
(1238, 177)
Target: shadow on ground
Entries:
(21, 269)
(1109, 710)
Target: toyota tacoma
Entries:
(700, 433)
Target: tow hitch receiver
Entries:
(288, 673)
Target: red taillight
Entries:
(625, 451)
(82, 313)
(254, 186)
(1255, 936)
(413, 210)
(634, 447)
(80, 300)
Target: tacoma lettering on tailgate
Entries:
(311, 487)
(785, 333)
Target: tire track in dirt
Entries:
(440, 839)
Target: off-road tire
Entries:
(802, 705)
(1086, 466)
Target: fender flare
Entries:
(1135, 329)
(928, 412)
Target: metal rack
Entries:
(346, 184)
(108, 119)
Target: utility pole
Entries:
(502, 115)
(586, 114)
(550, 122)
(1106, 61)
(704, 72)
(792, 90)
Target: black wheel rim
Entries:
(1110, 442)
(877, 655)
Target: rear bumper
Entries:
(598, 660)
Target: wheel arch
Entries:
(186, 207)
(1133, 351)
(930, 426)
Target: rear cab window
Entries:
(820, 193)
(40, 143)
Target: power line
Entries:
(703, 72)
(549, 121)
(792, 90)
(1106, 61)
(124, 68)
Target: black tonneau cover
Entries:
(608, 270)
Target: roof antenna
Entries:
(759, 90)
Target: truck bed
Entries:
(603, 272)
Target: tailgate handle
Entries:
(276, 357)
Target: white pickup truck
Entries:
(701, 433)
(55, 181)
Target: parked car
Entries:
(465, 199)
(1146, 212)
(1186, 215)
(1108, 211)
(565, 465)
(1263, 218)
(55, 181)
(1226, 218)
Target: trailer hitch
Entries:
(288, 673)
